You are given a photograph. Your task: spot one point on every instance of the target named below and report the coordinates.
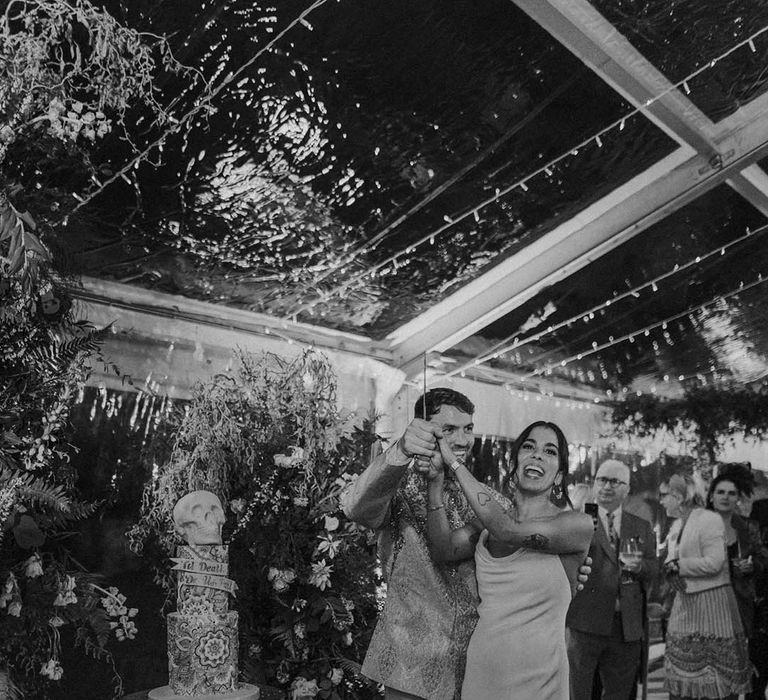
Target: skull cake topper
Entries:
(199, 517)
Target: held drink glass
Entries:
(630, 551)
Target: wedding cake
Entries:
(202, 633)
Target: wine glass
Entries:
(630, 551)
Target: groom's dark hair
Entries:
(442, 396)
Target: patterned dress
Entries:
(706, 649)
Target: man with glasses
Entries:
(606, 620)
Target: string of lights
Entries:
(434, 194)
(512, 342)
(521, 183)
(199, 107)
(597, 347)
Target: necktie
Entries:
(612, 534)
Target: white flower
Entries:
(52, 669)
(335, 674)
(66, 594)
(281, 578)
(114, 603)
(8, 589)
(328, 545)
(56, 621)
(331, 523)
(347, 639)
(238, 505)
(299, 604)
(296, 457)
(300, 630)
(321, 575)
(127, 630)
(302, 688)
(33, 567)
(14, 608)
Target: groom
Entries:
(419, 646)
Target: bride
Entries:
(527, 561)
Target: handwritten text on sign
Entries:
(201, 566)
(210, 581)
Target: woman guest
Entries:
(706, 650)
(746, 556)
(518, 648)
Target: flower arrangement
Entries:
(269, 440)
(43, 363)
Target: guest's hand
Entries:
(584, 571)
(634, 566)
(743, 567)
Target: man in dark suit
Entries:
(606, 620)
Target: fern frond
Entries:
(38, 491)
(58, 355)
(78, 510)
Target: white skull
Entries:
(199, 517)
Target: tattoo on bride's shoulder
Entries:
(536, 541)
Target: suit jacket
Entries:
(593, 608)
(748, 534)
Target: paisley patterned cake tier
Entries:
(202, 653)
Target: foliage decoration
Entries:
(711, 413)
(268, 438)
(69, 69)
(68, 73)
(45, 358)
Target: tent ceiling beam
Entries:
(580, 28)
(662, 189)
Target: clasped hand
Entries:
(420, 441)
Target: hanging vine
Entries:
(713, 414)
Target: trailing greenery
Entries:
(269, 440)
(711, 413)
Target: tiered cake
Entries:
(202, 634)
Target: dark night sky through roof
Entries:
(382, 122)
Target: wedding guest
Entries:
(706, 650)
(606, 620)
(758, 514)
(748, 558)
(418, 648)
(518, 647)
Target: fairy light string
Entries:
(521, 183)
(632, 334)
(505, 345)
(490, 150)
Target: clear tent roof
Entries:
(475, 182)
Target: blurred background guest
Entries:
(706, 648)
(748, 560)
